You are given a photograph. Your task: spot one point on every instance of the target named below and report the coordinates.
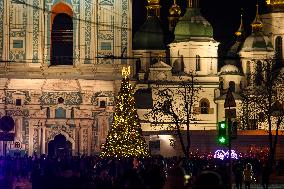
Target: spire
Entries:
(240, 32)
(193, 3)
(257, 24)
(190, 3)
(174, 15)
(153, 8)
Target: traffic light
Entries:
(222, 133)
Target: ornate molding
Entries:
(54, 130)
(9, 96)
(70, 98)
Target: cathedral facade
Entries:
(61, 64)
(192, 57)
(54, 79)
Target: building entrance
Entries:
(59, 146)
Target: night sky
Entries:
(224, 16)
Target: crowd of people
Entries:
(156, 172)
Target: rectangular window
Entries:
(102, 104)
(105, 45)
(18, 44)
(18, 102)
(197, 63)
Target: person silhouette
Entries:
(265, 175)
(248, 175)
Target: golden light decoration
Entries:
(125, 71)
(175, 10)
(153, 2)
(125, 137)
(275, 2)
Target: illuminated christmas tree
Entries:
(125, 138)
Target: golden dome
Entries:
(153, 2)
(275, 2)
(175, 10)
(153, 8)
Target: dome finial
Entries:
(257, 24)
(175, 10)
(240, 31)
(174, 15)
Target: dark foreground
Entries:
(151, 173)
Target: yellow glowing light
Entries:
(126, 71)
(238, 33)
(153, 2)
(275, 2)
(125, 137)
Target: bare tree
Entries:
(173, 107)
(263, 102)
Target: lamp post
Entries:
(230, 103)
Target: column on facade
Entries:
(31, 134)
(6, 38)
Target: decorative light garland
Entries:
(221, 154)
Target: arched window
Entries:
(204, 106)
(279, 49)
(197, 63)
(258, 76)
(232, 86)
(61, 35)
(178, 66)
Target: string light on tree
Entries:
(125, 138)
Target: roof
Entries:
(257, 42)
(229, 69)
(161, 64)
(192, 24)
(150, 35)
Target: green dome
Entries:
(257, 42)
(191, 25)
(150, 36)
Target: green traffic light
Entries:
(222, 140)
(223, 125)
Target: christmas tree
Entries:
(125, 138)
